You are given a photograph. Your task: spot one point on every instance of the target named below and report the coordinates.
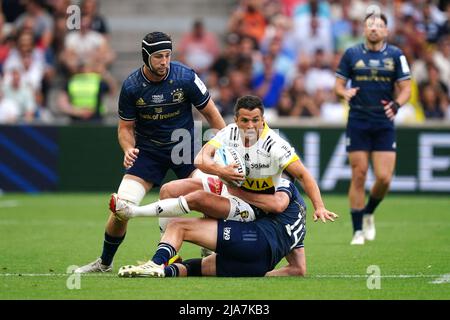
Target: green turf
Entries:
(42, 235)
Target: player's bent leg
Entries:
(200, 231)
(181, 187)
(132, 189)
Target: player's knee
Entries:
(195, 199)
(166, 191)
(384, 179)
(175, 223)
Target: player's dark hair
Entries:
(193, 267)
(382, 16)
(248, 103)
(153, 42)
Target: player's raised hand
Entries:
(350, 93)
(324, 215)
(130, 156)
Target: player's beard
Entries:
(161, 73)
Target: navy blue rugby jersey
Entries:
(286, 230)
(161, 107)
(375, 73)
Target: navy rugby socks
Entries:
(371, 205)
(110, 246)
(357, 219)
(163, 254)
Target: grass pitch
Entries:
(42, 235)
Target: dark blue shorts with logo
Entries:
(242, 250)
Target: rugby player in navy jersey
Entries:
(376, 71)
(155, 100)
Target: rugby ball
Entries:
(225, 156)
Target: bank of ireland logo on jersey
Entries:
(226, 233)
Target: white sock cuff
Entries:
(183, 204)
(131, 190)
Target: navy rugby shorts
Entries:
(242, 250)
(367, 136)
(152, 166)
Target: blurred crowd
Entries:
(285, 51)
(47, 44)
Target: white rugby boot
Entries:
(95, 266)
(358, 238)
(122, 209)
(369, 227)
(148, 269)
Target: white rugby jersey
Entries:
(264, 161)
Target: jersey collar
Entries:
(265, 131)
(381, 50)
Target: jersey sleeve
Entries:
(198, 93)
(284, 154)
(220, 138)
(345, 67)
(402, 71)
(285, 186)
(127, 109)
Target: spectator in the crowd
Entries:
(98, 22)
(229, 58)
(82, 97)
(427, 25)
(85, 45)
(21, 95)
(42, 22)
(304, 104)
(5, 41)
(285, 106)
(8, 111)
(320, 79)
(226, 100)
(269, 83)
(12, 9)
(199, 48)
(434, 94)
(248, 20)
(314, 35)
(444, 28)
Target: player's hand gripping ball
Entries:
(228, 155)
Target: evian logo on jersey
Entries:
(226, 233)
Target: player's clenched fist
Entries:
(129, 157)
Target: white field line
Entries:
(443, 278)
(9, 203)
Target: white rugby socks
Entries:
(172, 207)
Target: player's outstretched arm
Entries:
(309, 184)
